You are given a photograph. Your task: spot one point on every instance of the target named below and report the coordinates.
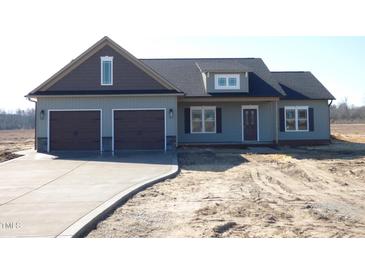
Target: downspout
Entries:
(35, 122)
(276, 124)
(329, 120)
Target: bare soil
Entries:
(257, 192)
(349, 132)
(15, 140)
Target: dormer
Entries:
(224, 76)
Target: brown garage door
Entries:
(75, 130)
(139, 129)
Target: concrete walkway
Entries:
(43, 195)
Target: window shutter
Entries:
(219, 119)
(282, 119)
(187, 120)
(311, 119)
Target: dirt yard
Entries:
(258, 192)
(349, 132)
(15, 140)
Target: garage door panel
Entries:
(139, 129)
(140, 138)
(75, 130)
(137, 145)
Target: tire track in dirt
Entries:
(267, 195)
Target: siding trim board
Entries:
(103, 93)
(49, 123)
(257, 118)
(223, 98)
(147, 109)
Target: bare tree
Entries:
(21, 119)
(345, 113)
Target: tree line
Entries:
(343, 112)
(20, 119)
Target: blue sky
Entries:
(34, 50)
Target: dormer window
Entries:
(227, 81)
(106, 70)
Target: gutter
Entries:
(105, 95)
(329, 119)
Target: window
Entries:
(203, 119)
(227, 81)
(296, 118)
(196, 120)
(232, 81)
(106, 70)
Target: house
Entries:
(106, 99)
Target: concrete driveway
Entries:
(42, 195)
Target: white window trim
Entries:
(202, 108)
(257, 119)
(227, 76)
(296, 118)
(102, 59)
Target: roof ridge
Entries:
(291, 71)
(203, 58)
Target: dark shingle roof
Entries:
(186, 75)
(301, 85)
(223, 65)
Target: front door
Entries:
(249, 124)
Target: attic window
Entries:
(227, 81)
(106, 70)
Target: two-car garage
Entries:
(135, 129)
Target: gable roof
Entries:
(301, 85)
(186, 75)
(92, 50)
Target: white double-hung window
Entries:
(106, 70)
(296, 118)
(203, 119)
(227, 81)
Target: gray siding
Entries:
(321, 120)
(231, 124)
(210, 83)
(106, 104)
(231, 117)
(126, 75)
